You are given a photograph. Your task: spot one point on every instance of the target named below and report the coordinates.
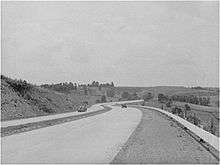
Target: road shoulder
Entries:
(158, 139)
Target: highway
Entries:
(121, 135)
(95, 139)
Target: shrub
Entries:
(187, 107)
(162, 98)
(20, 86)
(168, 104)
(110, 93)
(193, 119)
(147, 96)
(103, 99)
(177, 110)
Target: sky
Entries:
(129, 43)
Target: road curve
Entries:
(96, 139)
(158, 139)
(121, 135)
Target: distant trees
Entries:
(147, 97)
(61, 87)
(177, 110)
(97, 84)
(186, 110)
(110, 92)
(128, 96)
(168, 104)
(103, 99)
(162, 98)
(198, 87)
(134, 96)
(205, 101)
(68, 86)
(194, 119)
(85, 89)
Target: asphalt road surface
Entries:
(157, 139)
(95, 139)
(125, 135)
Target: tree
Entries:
(100, 87)
(110, 93)
(168, 104)
(134, 96)
(177, 110)
(212, 127)
(147, 97)
(103, 99)
(85, 90)
(187, 109)
(162, 98)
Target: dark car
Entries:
(123, 105)
(82, 109)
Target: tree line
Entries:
(205, 101)
(67, 86)
(129, 96)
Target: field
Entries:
(203, 113)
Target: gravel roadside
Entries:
(158, 139)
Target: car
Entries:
(82, 109)
(123, 105)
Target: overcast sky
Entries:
(130, 43)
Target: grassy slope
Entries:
(38, 101)
(204, 113)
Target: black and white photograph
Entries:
(109, 82)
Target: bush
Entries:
(110, 93)
(177, 110)
(86, 102)
(193, 119)
(187, 107)
(147, 96)
(168, 104)
(162, 98)
(103, 99)
(20, 86)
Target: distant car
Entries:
(123, 105)
(82, 109)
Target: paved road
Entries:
(157, 139)
(48, 117)
(118, 136)
(96, 139)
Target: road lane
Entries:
(10, 123)
(95, 139)
(158, 139)
(93, 108)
